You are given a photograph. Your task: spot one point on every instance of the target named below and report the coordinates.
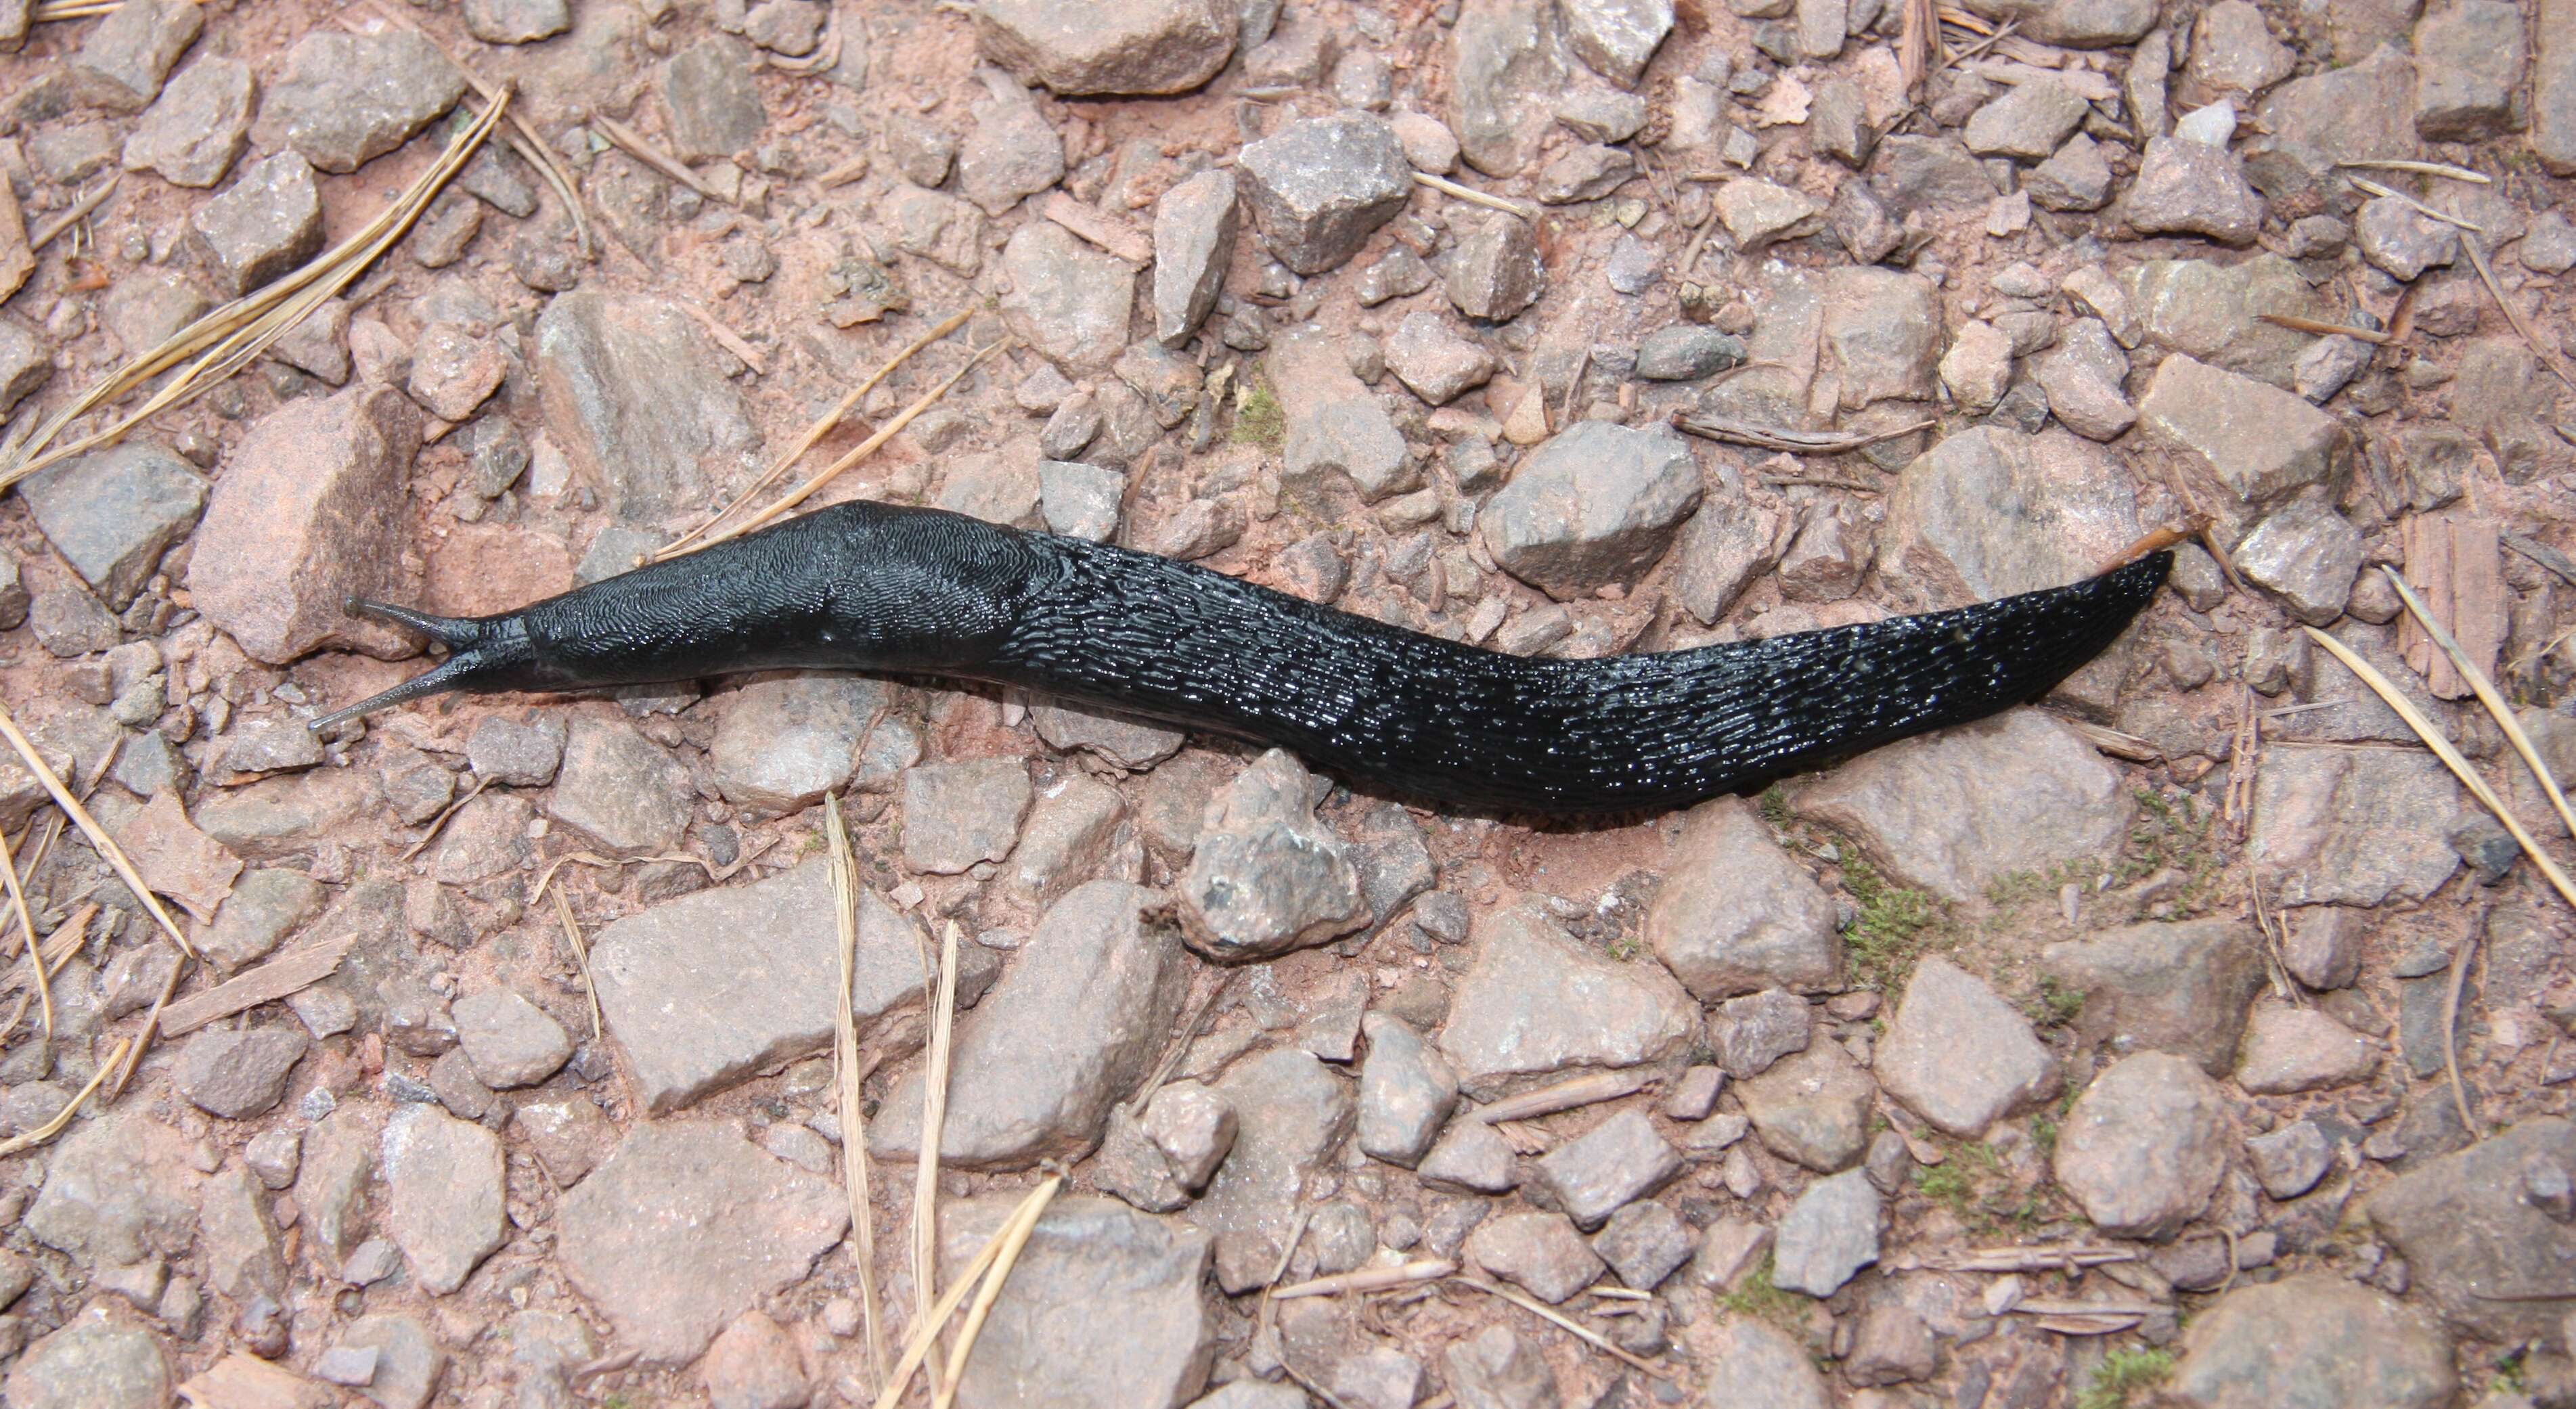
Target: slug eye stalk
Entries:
(467, 640)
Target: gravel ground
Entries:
(2190, 1037)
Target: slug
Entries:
(878, 587)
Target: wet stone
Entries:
(192, 133)
(1321, 186)
(347, 99)
(1539, 1252)
(1616, 1162)
(1829, 1234)
(2144, 1146)
(267, 223)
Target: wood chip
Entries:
(287, 974)
(2452, 559)
(1097, 226)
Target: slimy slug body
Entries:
(877, 587)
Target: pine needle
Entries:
(2487, 695)
(845, 1072)
(918, 1347)
(934, 1117)
(106, 845)
(63, 1117)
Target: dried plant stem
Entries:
(80, 209)
(106, 845)
(27, 928)
(2513, 313)
(63, 1117)
(1015, 1236)
(438, 823)
(151, 1028)
(2428, 212)
(934, 1117)
(2422, 168)
(1370, 1279)
(1567, 1324)
(917, 1347)
(2487, 695)
(1472, 196)
(1564, 1096)
(1796, 442)
(2451, 1034)
(846, 1077)
(2324, 329)
(580, 959)
(633, 144)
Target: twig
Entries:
(2018, 1259)
(151, 1027)
(63, 1117)
(50, 11)
(845, 1071)
(80, 209)
(2544, 555)
(27, 927)
(1916, 40)
(1370, 1279)
(439, 822)
(919, 1345)
(845, 173)
(2322, 329)
(105, 845)
(2487, 695)
(1735, 432)
(934, 1117)
(1111, 234)
(2451, 1034)
(716, 875)
(2513, 312)
(1564, 1096)
(1568, 1324)
(2428, 212)
(633, 144)
(2422, 168)
(580, 959)
(1472, 196)
(733, 342)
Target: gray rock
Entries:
(510, 1041)
(454, 368)
(95, 1361)
(1070, 301)
(117, 1191)
(2143, 1147)
(784, 743)
(1194, 1128)
(1406, 1092)
(1334, 423)
(2214, 313)
(1194, 229)
(2323, 944)
(790, 27)
(2076, 24)
(1724, 547)
(517, 21)
(1748, 1034)
(524, 752)
(1114, 739)
(2484, 1228)
(1978, 367)
(2395, 236)
(1252, 1394)
(2179, 987)
(1587, 173)
(759, 967)
(2336, 114)
(347, 99)
(1535, 1004)
(1070, 830)
(25, 364)
(1507, 69)
(1130, 47)
(1319, 187)
(2029, 121)
(2190, 188)
(1268, 877)
(1011, 151)
(2084, 376)
(1812, 1107)
(1398, 273)
(622, 789)
(112, 513)
(237, 1075)
(2076, 178)
(319, 344)
(942, 229)
(1618, 37)
(1430, 356)
(192, 133)
(1609, 1167)
(1932, 176)
(239, 1237)
(1759, 213)
(686, 1227)
(1069, 1030)
(2231, 51)
(1378, 1378)
(1498, 1369)
(637, 400)
(125, 58)
(1540, 1252)
(1595, 115)
(1645, 1242)
(2311, 1341)
(2353, 827)
(443, 1186)
(1079, 500)
(408, 1362)
(1754, 1362)
(1472, 1158)
(2548, 247)
(1957, 524)
(265, 905)
(1143, 1275)
(2503, 397)
(922, 152)
(1686, 352)
(1292, 1115)
(2553, 89)
(713, 104)
(1597, 504)
(264, 226)
(1829, 1234)
(2257, 441)
(1494, 271)
(2289, 1161)
(2289, 1050)
(2307, 555)
(1736, 914)
(1959, 1055)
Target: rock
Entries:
(2290, 1160)
(1686, 352)
(1978, 367)
(2553, 88)
(1812, 1107)
(237, 1075)
(714, 106)
(2077, 178)
(317, 484)
(2143, 1147)
(1069, 1030)
(959, 814)
(125, 58)
(569, 1138)
(1536, 1004)
(1498, 1369)
(2306, 554)
(1194, 229)
(1406, 1092)
(1011, 152)
(1142, 1275)
(621, 788)
(1194, 1128)
(2311, 1341)
(1292, 1114)
(1334, 423)
(2347, 827)
(2502, 397)
(1759, 213)
(264, 907)
(1069, 831)
(1960, 1056)
(1597, 504)
(347, 99)
(97, 1361)
(1618, 37)
(25, 365)
(753, 1365)
(510, 1041)
(1506, 71)
(192, 133)
(1319, 187)
(1748, 1034)
(2393, 235)
(1082, 501)
(2288, 1050)
(408, 1362)
(637, 400)
(1722, 549)
(1114, 739)
(1930, 176)
(946, 231)
(2215, 314)
(1131, 47)
(2029, 121)
(2178, 987)
(444, 1186)
(1830, 1233)
(1252, 1394)
(1429, 356)
(1494, 271)
(517, 21)
(1594, 114)
(453, 370)
(1754, 1362)
(1070, 301)
(112, 513)
(1379, 1378)
(1587, 173)
(1538, 1251)
(2190, 188)
(1471, 1157)
(2231, 51)
(1617, 1162)
(2322, 948)
(783, 744)
(2482, 1228)
(1958, 524)
(2258, 442)
(759, 964)
(1736, 914)
(685, 1228)
(2335, 114)
(239, 1237)
(2083, 377)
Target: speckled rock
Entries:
(346, 99)
(1736, 914)
(2312, 1341)
(1595, 505)
(1131, 47)
(1535, 1004)
(2144, 1146)
(1320, 187)
(1812, 1107)
(1960, 1056)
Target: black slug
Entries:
(923, 592)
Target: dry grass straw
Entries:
(79, 210)
(1564, 1095)
(1014, 1237)
(1569, 1325)
(56, 951)
(226, 340)
(2426, 211)
(2486, 692)
(1795, 442)
(52, 11)
(580, 958)
(846, 1076)
(633, 143)
(98, 837)
(2324, 329)
(1472, 196)
(814, 433)
(151, 1028)
(1370, 1279)
(27, 930)
(986, 1262)
(2422, 168)
(934, 1119)
(63, 1117)
(438, 823)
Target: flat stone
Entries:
(1082, 501)
(1736, 914)
(2311, 1341)
(346, 99)
(942, 229)
(1587, 173)
(2185, 187)
(1928, 811)
(517, 21)
(237, 1075)
(1609, 1167)
(1596, 504)
(686, 1227)
(2178, 987)
(1828, 1235)
(2144, 1146)
(959, 814)
(1146, 1276)
(2289, 1161)
(1932, 176)
(1960, 1056)
(2398, 238)
(2478, 1231)
(25, 365)
(2232, 51)
(444, 1187)
(1880, 334)
(1594, 114)
(317, 484)
(454, 369)
(112, 513)
(510, 1041)
(1535, 1004)
(1494, 271)
(1812, 1107)
(1618, 37)
(1292, 1114)
(96, 1361)
(1759, 213)
(1977, 369)
(1130, 47)
(1507, 69)
(2288, 1050)
(194, 131)
(1070, 301)
(2307, 555)
(2215, 314)
(1754, 1362)
(266, 905)
(2335, 114)
(1116, 740)
(1335, 424)
(1071, 1027)
(703, 991)
(568, 1137)
(1069, 834)
(1011, 151)
(784, 744)
(1471, 1157)
(636, 398)
(409, 1363)
(1686, 352)
(2029, 121)
(1319, 187)
(264, 226)
(1407, 1092)
(127, 55)
(239, 1237)
(2347, 827)
(714, 106)
(1430, 357)
(1958, 523)
(752, 1364)
(1194, 231)
(1497, 1368)
(1540, 1252)
(622, 789)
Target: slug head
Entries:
(484, 653)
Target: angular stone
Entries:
(517, 21)
(1812, 1107)
(192, 133)
(444, 1185)
(2077, 178)
(1507, 70)
(1292, 1113)
(2179, 986)
(2185, 187)
(1470, 1156)
(347, 99)
(1618, 37)
(1194, 230)
(2289, 1050)
(1748, 1034)
(1755, 1362)
(262, 227)
(1070, 829)
(1082, 501)
(2029, 121)
(1334, 423)
(309, 514)
(2290, 1160)
(237, 1075)
(125, 58)
(97, 1360)
(705, 990)
(2401, 240)
(2144, 1146)
(1615, 1163)
(1759, 213)
(687, 1227)
(2084, 377)
(1070, 301)
(1959, 1055)
(1597, 504)
(1131, 47)
(1144, 1276)
(1978, 367)
(1535, 1004)
(1959, 523)
(1429, 356)
(1736, 914)
(1829, 1234)
(408, 1361)
(1686, 352)
(753, 1365)
(1537, 1251)
(454, 369)
(1011, 151)
(2353, 827)
(621, 788)
(2306, 554)
(2232, 51)
(2480, 1229)
(568, 1137)
(25, 365)
(2359, 112)
(714, 106)
(1406, 1092)
(1494, 271)
(112, 513)
(1320, 187)
(2553, 88)
(1586, 173)
(637, 400)
(1930, 176)
(782, 744)
(510, 1041)
(2311, 1341)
